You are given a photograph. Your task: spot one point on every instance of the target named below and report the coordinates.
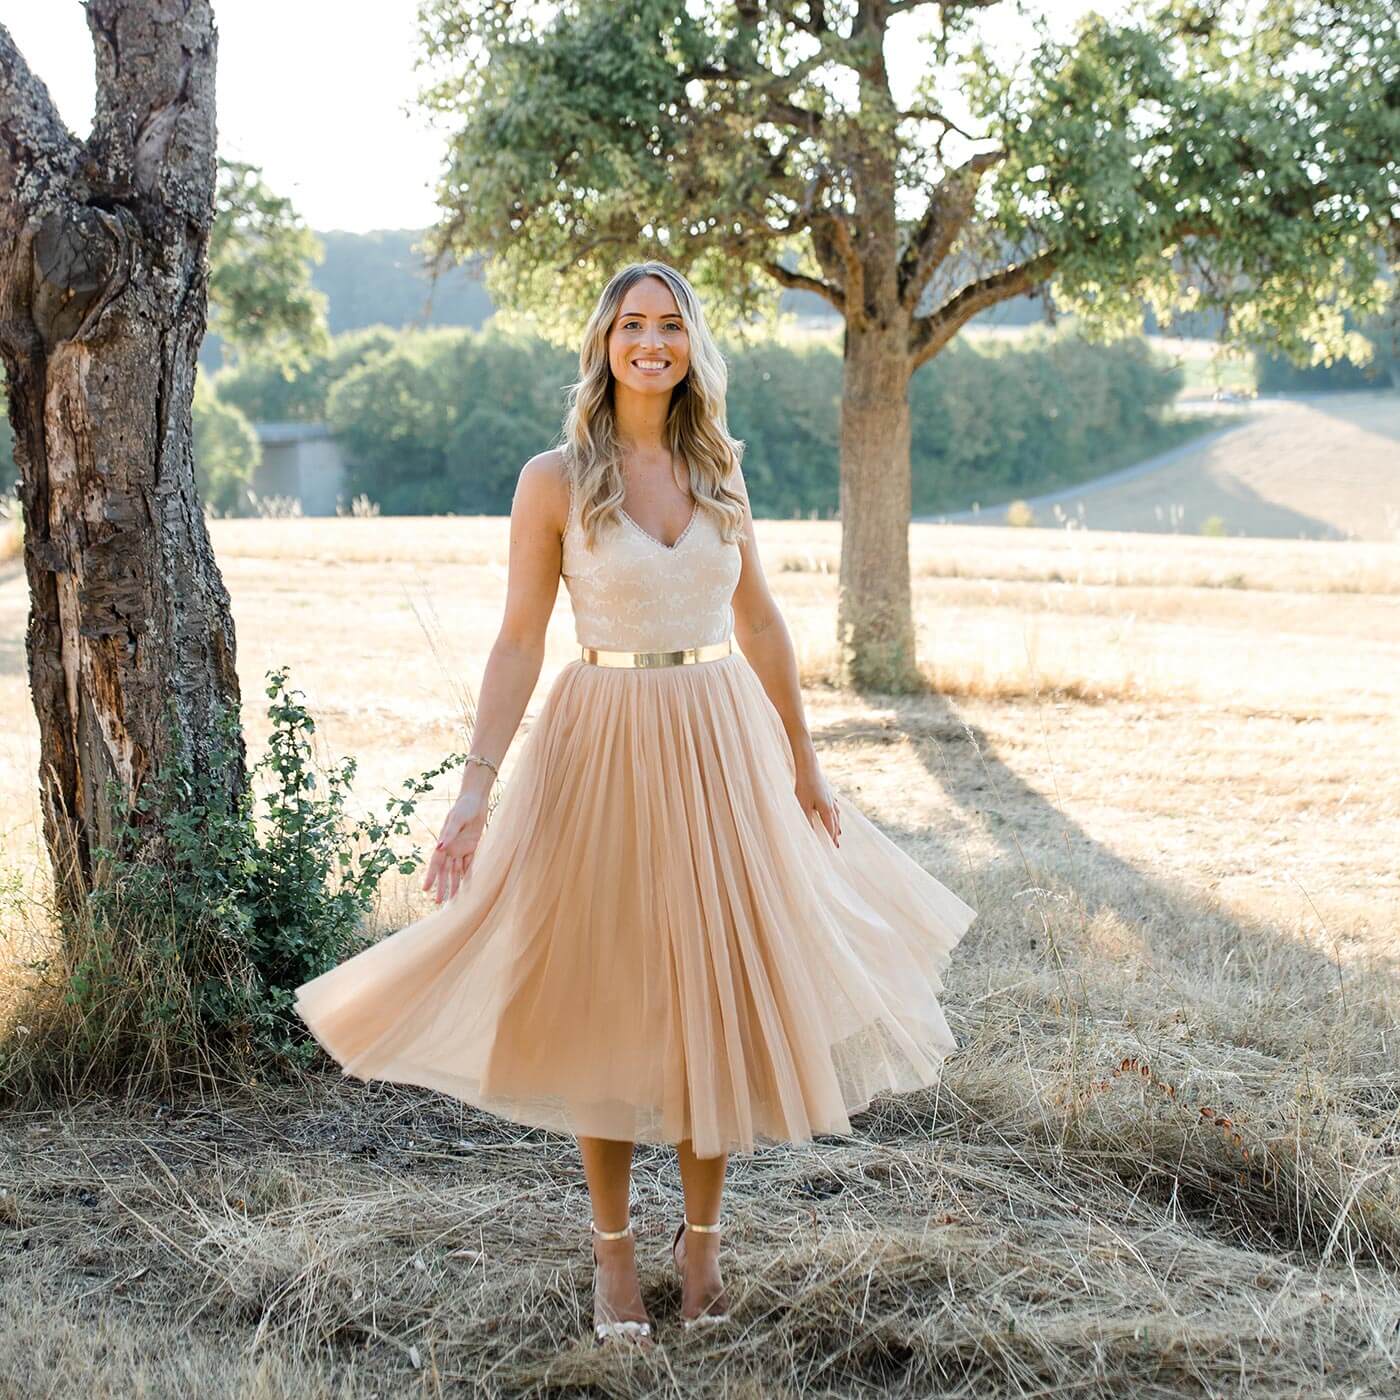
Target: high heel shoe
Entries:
(705, 1318)
(620, 1329)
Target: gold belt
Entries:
(709, 652)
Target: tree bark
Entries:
(874, 616)
(102, 309)
(875, 622)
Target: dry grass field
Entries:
(1162, 768)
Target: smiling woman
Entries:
(674, 930)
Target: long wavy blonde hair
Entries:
(696, 431)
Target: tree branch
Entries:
(813, 23)
(899, 7)
(153, 124)
(38, 154)
(776, 89)
(839, 233)
(932, 114)
(931, 333)
(799, 281)
(949, 208)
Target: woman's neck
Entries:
(640, 422)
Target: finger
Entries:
(431, 872)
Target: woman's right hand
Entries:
(461, 834)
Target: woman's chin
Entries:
(641, 383)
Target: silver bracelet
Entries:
(481, 758)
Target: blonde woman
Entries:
(672, 930)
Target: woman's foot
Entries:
(696, 1255)
(618, 1311)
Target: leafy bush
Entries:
(443, 421)
(226, 452)
(233, 921)
(269, 392)
(1050, 411)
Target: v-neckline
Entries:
(675, 544)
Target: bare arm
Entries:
(767, 645)
(537, 517)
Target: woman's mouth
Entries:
(649, 366)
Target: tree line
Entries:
(440, 421)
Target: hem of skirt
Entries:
(573, 1125)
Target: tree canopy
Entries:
(1239, 154)
(261, 301)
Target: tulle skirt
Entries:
(654, 942)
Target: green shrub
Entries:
(443, 421)
(267, 391)
(233, 920)
(226, 452)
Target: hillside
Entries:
(1320, 467)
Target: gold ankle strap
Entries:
(705, 1229)
(611, 1234)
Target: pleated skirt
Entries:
(654, 942)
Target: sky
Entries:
(321, 94)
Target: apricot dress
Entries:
(654, 942)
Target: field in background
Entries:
(1162, 768)
(1319, 467)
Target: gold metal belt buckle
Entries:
(711, 651)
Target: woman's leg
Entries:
(607, 1165)
(702, 1180)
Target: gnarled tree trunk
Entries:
(102, 310)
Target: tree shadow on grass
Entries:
(1046, 846)
(1188, 943)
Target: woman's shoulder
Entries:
(548, 465)
(544, 482)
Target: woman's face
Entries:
(649, 343)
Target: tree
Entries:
(261, 301)
(1208, 153)
(226, 451)
(102, 309)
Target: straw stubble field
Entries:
(1162, 768)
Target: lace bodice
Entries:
(633, 593)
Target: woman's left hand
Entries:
(815, 795)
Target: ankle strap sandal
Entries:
(620, 1329)
(706, 1318)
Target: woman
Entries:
(672, 930)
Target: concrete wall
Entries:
(301, 460)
